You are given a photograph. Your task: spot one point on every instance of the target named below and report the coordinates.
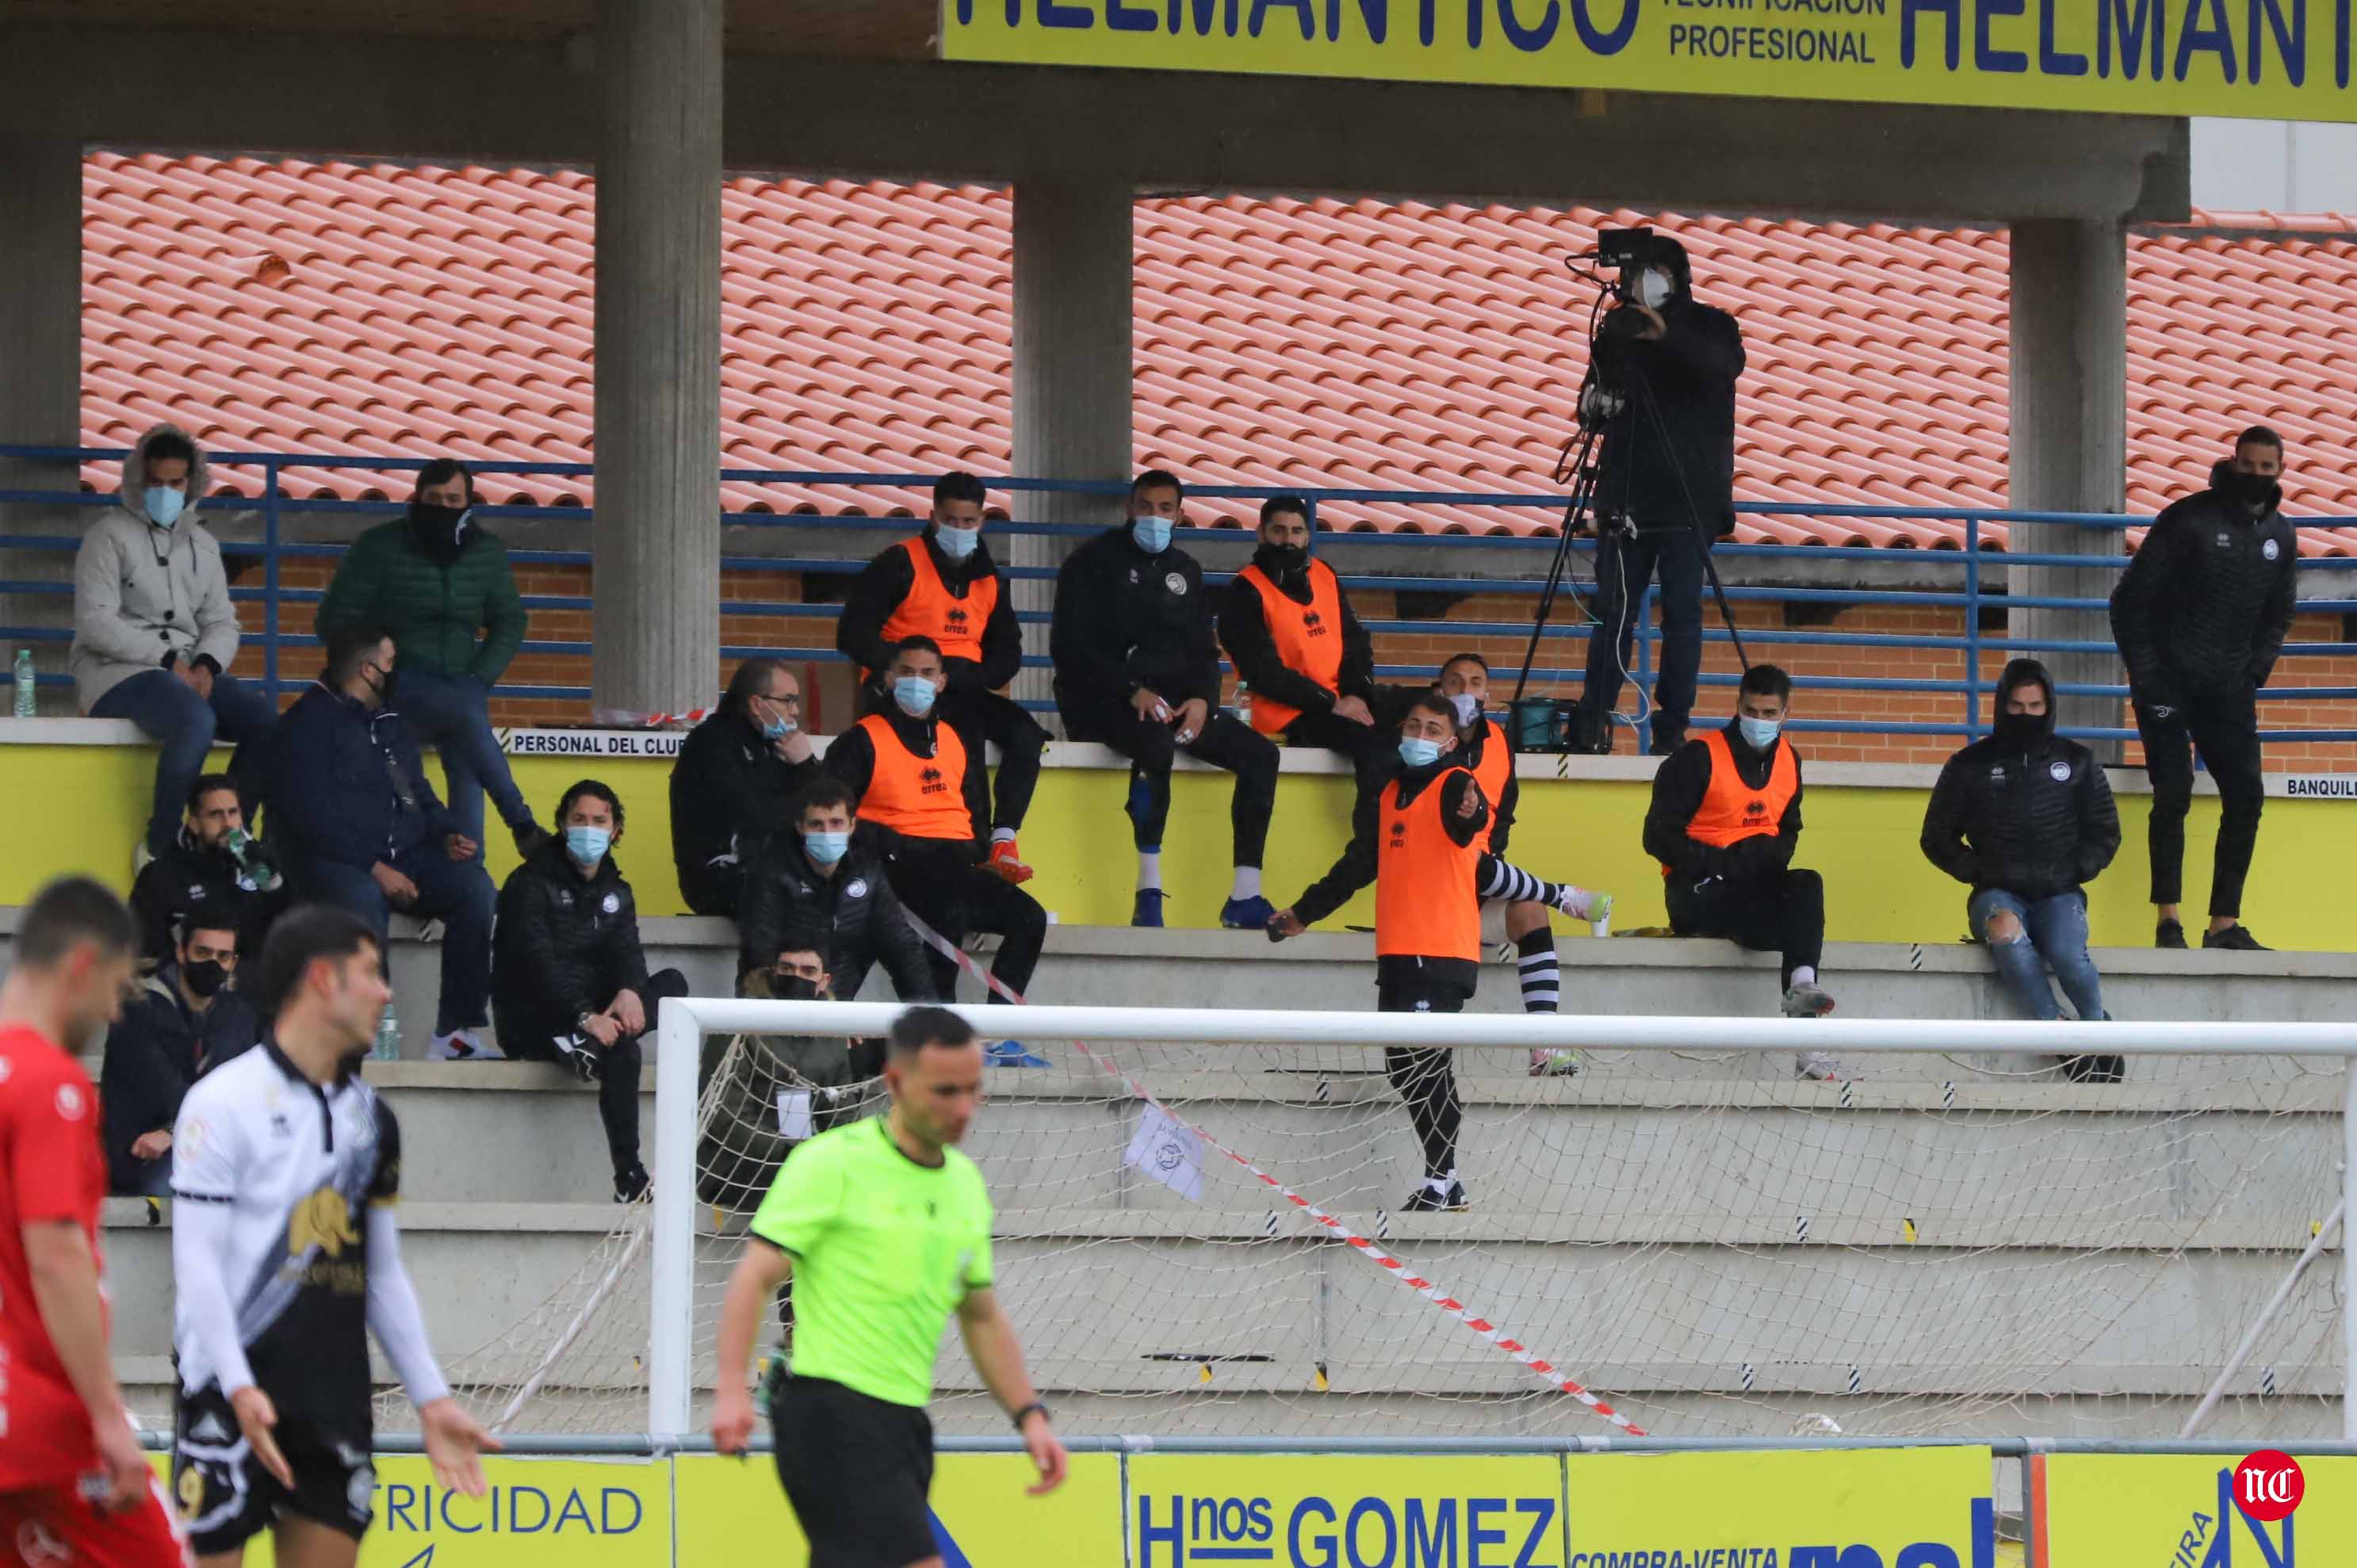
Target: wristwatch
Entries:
(1024, 1413)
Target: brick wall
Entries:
(1427, 649)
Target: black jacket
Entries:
(877, 592)
(1679, 787)
(189, 878)
(347, 784)
(729, 790)
(564, 944)
(851, 756)
(1126, 620)
(853, 918)
(2207, 599)
(154, 1052)
(1682, 465)
(1244, 632)
(1356, 868)
(2030, 813)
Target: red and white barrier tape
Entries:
(622, 718)
(1398, 1268)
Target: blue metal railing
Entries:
(274, 598)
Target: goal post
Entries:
(2110, 1235)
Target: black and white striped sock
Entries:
(1541, 978)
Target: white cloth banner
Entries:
(1169, 1152)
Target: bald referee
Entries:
(886, 1227)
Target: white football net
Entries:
(1960, 1242)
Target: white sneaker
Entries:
(1554, 1063)
(1824, 1067)
(462, 1045)
(1808, 1000)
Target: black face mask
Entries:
(2257, 491)
(1286, 559)
(785, 987)
(2021, 729)
(439, 530)
(206, 978)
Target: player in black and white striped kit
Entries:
(285, 1257)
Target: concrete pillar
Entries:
(656, 622)
(40, 381)
(2068, 432)
(1073, 248)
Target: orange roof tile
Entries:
(389, 311)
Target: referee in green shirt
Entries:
(885, 1226)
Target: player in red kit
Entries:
(74, 1486)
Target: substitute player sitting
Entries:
(74, 1487)
(285, 1257)
(1487, 750)
(884, 1227)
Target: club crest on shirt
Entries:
(2060, 770)
(2270, 550)
(855, 889)
(613, 904)
(1177, 582)
(69, 1102)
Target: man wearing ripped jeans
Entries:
(2025, 819)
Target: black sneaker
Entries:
(631, 1185)
(2095, 1069)
(1438, 1198)
(579, 1053)
(532, 838)
(2234, 939)
(2170, 934)
(1666, 743)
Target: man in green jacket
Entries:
(439, 582)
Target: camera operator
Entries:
(1665, 483)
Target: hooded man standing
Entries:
(2200, 616)
(1664, 487)
(2025, 819)
(440, 583)
(154, 631)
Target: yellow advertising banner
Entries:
(731, 1510)
(1893, 1508)
(539, 1513)
(1320, 1511)
(2149, 1510)
(2285, 59)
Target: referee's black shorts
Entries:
(856, 1470)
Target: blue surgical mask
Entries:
(1153, 533)
(1759, 733)
(587, 847)
(957, 543)
(826, 848)
(775, 728)
(164, 505)
(915, 694)
(1418, 752)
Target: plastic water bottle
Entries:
(27, 701)
(1243, 702)
(387, 1048)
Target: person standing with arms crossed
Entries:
(2200, 616)
(884, 1227)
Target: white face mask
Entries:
(1654, 288)
(1468, 705)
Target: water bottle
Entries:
(1244, 701)
(387, 1048)
(27, 702)
(257, 871)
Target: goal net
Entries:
(1202, 1228)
